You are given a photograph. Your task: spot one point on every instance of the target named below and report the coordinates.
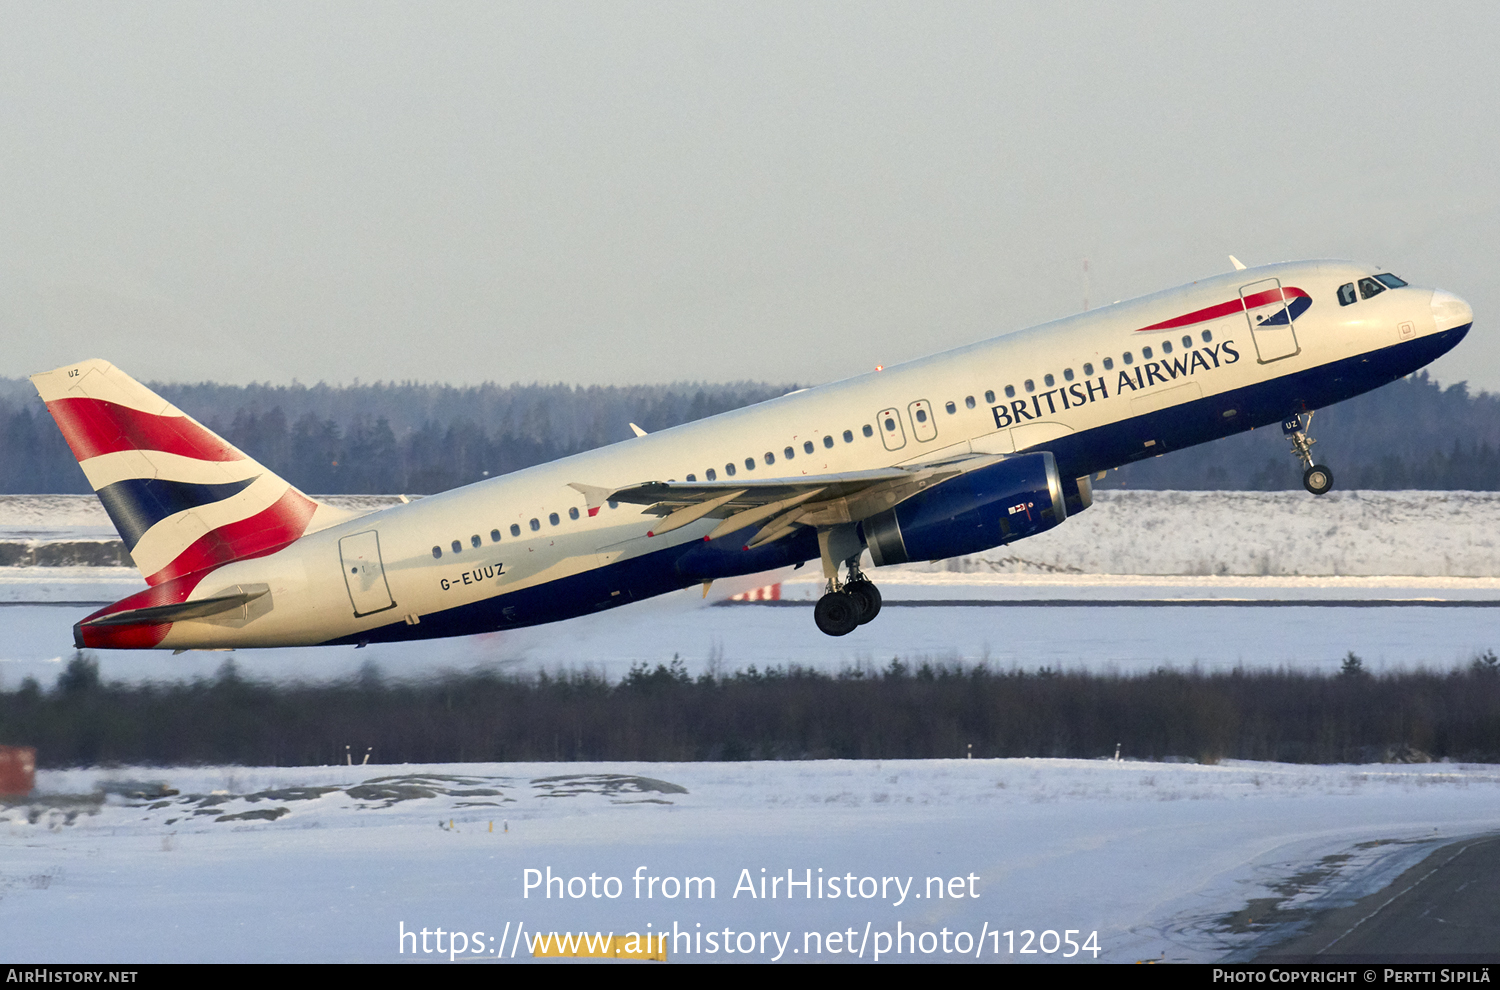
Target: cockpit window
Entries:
(1391, 281)
(1346, 294)
(1369, 287)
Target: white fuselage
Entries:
(975, 399)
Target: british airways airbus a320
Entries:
(947, 455)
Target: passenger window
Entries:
(828, 441)
(1010, 392)
(692, 477)
(1048, 380)
(475, 541)
(921, 415)
(1067, 374)
(1187, 343)
(807, 446)
(1088, 369)
(437, 553)
(890, 425)
(729, 469)
(968, 402)
(1369, 287)
(1208, 336)
(613, 504)
(989, 397)
(711, 475)
(1145, 353)
(749, 464)
(848, 436)
(535, 524)
(515, 529)
(789, 453)
(495, 534)
(1109, 364)
(1346, 294)
(951, 408)
(770, 457)
(1166, 347)
(457, 546)
(573, 513)
(869, 430)
(1029, 385)
(1128, 359)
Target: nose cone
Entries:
(1449, 311)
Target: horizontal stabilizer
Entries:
(157, 615)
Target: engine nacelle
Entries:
(1020, 496)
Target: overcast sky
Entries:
(629, 192)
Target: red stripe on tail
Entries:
(94, 426)
(265, 532)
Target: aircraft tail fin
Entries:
(183, 499)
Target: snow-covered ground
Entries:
(333, 863)
(1430, 534)
(1161, 860)
(1155, 547)
(953, 618)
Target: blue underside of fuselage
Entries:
(1077, 454)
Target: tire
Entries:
(837, 614)
(866, 597)
(1318, 479)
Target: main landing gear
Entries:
(844, 606)
(1316, 478)
(843, 609)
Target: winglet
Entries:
(1239, 265)
(593, 494)
(638, 431)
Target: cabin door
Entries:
(364, 574)
(1270, 320)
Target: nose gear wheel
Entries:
(1316, 478)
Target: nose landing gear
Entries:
(1316, 478)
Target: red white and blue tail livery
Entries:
(183, 500)
(948, 455)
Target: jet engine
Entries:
(1017, 497)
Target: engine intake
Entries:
(1018, 497)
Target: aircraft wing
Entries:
(780, 505)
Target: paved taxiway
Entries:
(1443, 909)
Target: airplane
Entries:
(948, 455)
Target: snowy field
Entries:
(1430, 534)
(1162, 861)
(1194, 561)
(1003, 620)
(1166, 861)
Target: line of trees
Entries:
(903, 711)
(420, 439)
(383, 438)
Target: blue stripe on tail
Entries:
(137, 504)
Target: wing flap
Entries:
(811, 500)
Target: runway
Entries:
(1442, 910)
(1089, 622)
